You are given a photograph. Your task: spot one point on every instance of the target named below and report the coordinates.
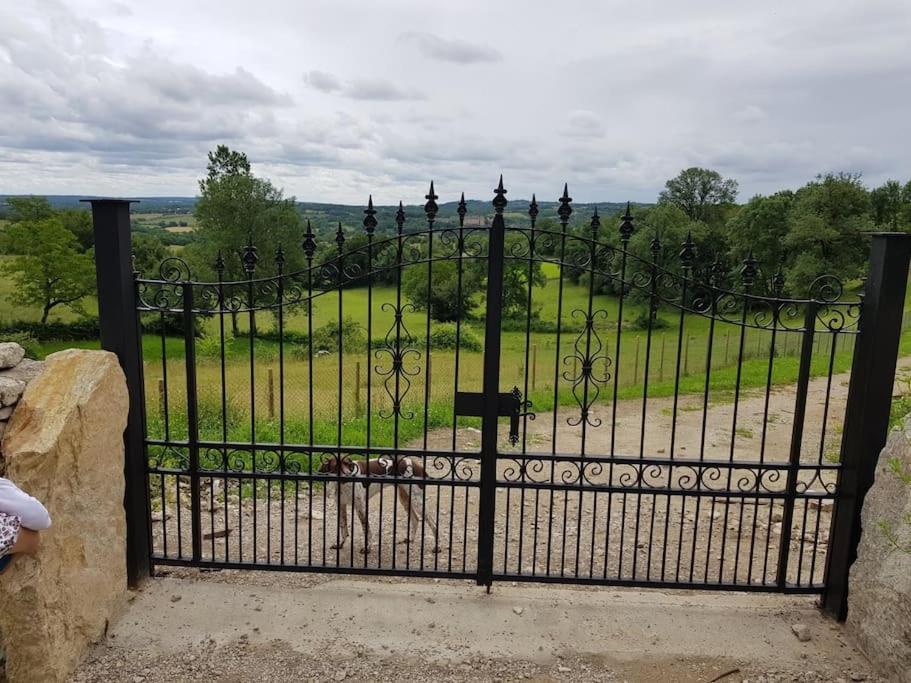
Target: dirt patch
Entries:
(436, 630)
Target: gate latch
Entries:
(509, 404)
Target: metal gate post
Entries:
(491, 389)
(120, 334)
(867, 411)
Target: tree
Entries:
(148, 251)
(825, 230)
(79, 222)
(48, 268)
(886, 205)
(234, 208)
(761, 228)
(28, 208)
(699, 192)
(444, 299)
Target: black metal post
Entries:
(800, 412)
(189, 337)
(867, 411)
(120, 334)
(491, 390)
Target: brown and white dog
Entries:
(355, 494)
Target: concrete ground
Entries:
(268, 627)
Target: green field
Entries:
(672, 360)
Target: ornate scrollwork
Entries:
(399, 347)
(588, 353)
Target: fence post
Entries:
(357, 388)
(636, 365)
(271, 395)
(661, 364)
(534, 364)
(867, 410)
(120, 333)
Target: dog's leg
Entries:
(428, 520)
(342, 524)
(360, 507)
(401, 493)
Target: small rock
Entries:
(341, 675)
(10, 354)
(175, 598)
(563, 669)
(10, 390)
(518, 610)
(802, 632)
(6, 412)
(856, 676)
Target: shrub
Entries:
(642, 322)
(444, 337)
(80, 330)
(26, 341)
(326, 337)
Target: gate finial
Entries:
(400, 217)
(309, 243)
(370, 217)
(431, 208)
(565, 210)
(533, 208)
(462, 210)
(626, 225)
(499, 201)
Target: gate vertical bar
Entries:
(867, 412)
(189, 340)
(120, 334)
(800, 410)
(491, 389)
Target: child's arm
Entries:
(14, 501)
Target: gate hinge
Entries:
(509, 404)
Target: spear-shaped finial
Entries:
(749, 271)
(595, 223)
(340, 236)
(462, 210)
(565, 210)
(499, 200)
(431, 208)
(533, 208)
(249, 257)
(369, 217)
(688, 252)
(400, 217)
(627, 228)
(309, 243)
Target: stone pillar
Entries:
(879, 596)
(64, 445)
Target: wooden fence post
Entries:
(161, 396)
(357, 388)
(271, 396)
(534, 365)
(661, 362)
(636, 366)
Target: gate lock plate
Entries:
(509, 404)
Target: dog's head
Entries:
(337, 465)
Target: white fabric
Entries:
(16, 502)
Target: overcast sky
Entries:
(338, 98)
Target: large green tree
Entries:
(825, 230)
(236, 207)
(888, 205)
(700, 193)
(48, 267)
(760, 227)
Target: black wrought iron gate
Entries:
(670, 423)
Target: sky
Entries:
(333, 100)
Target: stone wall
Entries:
(879, 598)
(16, 371)
(64, 445)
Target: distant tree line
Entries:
(817, 229)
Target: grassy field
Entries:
(672, 360)
(162, 220)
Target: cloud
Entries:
(322, 81)
(457, 51)
(377, 90)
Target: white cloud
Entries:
(126, 97)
